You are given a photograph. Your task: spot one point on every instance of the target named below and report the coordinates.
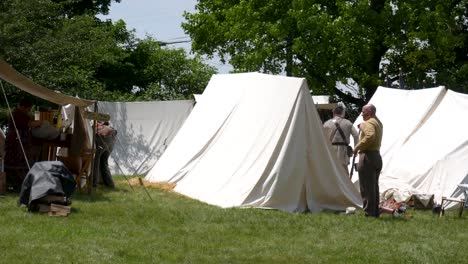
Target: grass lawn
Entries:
(125, 226)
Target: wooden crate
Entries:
(59, 210)
(54, 209)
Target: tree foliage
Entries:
(154, 73)
(167, 74)
(77, 54)
(57, 52)
(84, 56)
(80, 7)
(329, 41)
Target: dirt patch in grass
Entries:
(165, 186)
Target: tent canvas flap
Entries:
(15, 78)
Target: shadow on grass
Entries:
(97, 195)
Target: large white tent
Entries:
(256, 140)
(144, 130)
(424, 146)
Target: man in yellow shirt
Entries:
(370, 161)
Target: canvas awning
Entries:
(15, 78)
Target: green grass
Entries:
(125, 226)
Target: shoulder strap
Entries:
(341, 131)
(333, 134)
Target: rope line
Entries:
(15, 127)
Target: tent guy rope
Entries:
(14, 124)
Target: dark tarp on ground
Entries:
(46, 178)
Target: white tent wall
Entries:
(321, 101)
(444, 177)
(255, 140)
(144, 130)
(402, 112)
(434, 159)
(424, 146)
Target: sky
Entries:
(160, 19)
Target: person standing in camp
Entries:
(105, 139)
(20, 123)
(338, 130)
(2, 145)
(370, 161)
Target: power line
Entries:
(165, 43)
(184, 37)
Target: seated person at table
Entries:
(18, 145)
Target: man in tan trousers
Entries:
(370, 161)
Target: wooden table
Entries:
(49, 147)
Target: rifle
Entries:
(354, 158)
(352, 167)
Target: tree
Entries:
(100, 60)
(148, 71)
(327, 41)
(168, 74)
(54, 51)
(81, 7)
(431, 48)
(57, 52)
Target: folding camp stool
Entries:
(464, 189)
(461, 201)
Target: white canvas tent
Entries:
(424, 147)
(144, 129)
(256, 140)
(320, 101)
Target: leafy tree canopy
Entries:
(329, 41)
(80, 55)
(80, 7)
